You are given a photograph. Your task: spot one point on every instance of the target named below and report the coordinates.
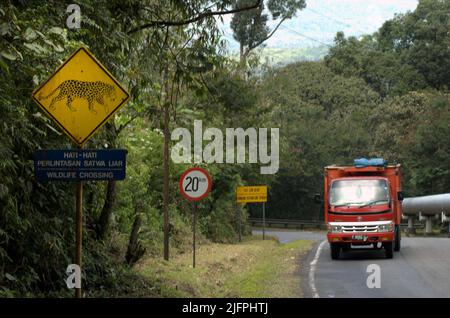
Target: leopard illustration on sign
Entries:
(81, 95)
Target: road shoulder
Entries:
(255, 268)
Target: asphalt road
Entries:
(420, 269)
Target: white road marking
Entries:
(312, 270)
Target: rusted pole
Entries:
(79, 230)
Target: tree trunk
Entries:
(135, 250)
(166, 181)
(241, 54)
(110, 197)
(91, 222)
(105, 215)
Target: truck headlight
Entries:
(386, 227)
(334, 228)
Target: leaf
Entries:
(30, 35)
(54, 130)
(18, 54)
(35, 79)
(4, 28)
(4, 67)
(56, 30)
(40, 34)
(9, 56)
(35, 47)
(10, 277)
(58, 48)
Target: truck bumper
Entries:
(360, 238)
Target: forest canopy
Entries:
(382, 95)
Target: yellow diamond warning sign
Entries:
(81, 95)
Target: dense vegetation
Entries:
(383, 95)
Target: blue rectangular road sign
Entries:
(80, 164)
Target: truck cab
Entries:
(363, 206)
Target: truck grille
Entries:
(359, 228)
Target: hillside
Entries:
(284, 56)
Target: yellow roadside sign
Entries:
(249, 194)
(80, 96)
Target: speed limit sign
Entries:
(195, 184)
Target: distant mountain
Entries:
(282, 56)
(307, 35)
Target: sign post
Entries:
(264, 220)
(239, 216)
(79, 165)
(253, 194)
(195, 184)
(194, 221)
(80, 96)
(79, 230)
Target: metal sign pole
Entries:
(264, 220)
(194, 184)
(79, 230)
(240, 221)
(193, 233)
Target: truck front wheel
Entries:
(389, 249)
(335, 250)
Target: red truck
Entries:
(363, 206)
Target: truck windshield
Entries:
(359, 192)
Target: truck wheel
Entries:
(335, 250)
(389, 249)
(398, 238)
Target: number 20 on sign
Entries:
(195, 184)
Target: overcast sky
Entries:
(321, 19)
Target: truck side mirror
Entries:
(317, 198)
(400, 196)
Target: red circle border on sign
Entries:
(180, 184)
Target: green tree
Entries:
(250, 27)
(409, 52)
(421, 40)
(158, 49)
(322, 118)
